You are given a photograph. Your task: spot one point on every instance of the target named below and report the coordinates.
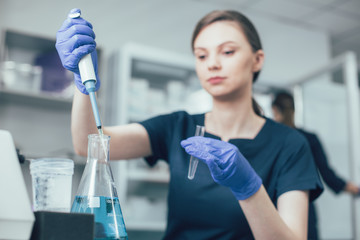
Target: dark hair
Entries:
(284, 102)
(245, 24)
(233, 16)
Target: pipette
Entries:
(88, 78)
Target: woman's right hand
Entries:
(74, 40)
(352, 188)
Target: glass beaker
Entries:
(97, 192)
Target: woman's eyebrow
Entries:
(224, 43)
(219, 46)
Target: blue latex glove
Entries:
(227, 165)
(74, 40)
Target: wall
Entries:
(159, 23)
(325, 113)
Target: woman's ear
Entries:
(258, 60)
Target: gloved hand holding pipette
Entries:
(74, 40)
(227, 165)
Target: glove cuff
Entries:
(82, 87)
(248, 189)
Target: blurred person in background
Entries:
(283, 108)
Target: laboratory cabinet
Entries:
(35, 94)
(36, 99)
(30, 65)
(145, 82)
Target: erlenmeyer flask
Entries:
(97, 192)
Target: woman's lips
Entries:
(216, 80)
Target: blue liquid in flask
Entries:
(109, 221)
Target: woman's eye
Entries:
(201, 57)
(230, 52)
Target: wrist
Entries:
(81, 87)
(248, 189)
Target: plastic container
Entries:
(51, 184)
(21, 76)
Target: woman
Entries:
(283, 108)
(255, 177)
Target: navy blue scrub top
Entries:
(202, 209)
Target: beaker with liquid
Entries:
(97, 192)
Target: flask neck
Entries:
(98, 147)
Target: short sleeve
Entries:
(159, 131)
(298, 170)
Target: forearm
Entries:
(82, 122)
(336, 183)
(266, 222)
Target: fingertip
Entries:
(90, 25)
(92, 48)
(183, 143)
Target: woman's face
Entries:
(225, 62)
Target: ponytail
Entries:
(257, 109)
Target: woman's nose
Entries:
(214, 63)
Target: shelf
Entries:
(145, 225)
(41, 99)
(14, 39)
(148, 175)
(150, 82)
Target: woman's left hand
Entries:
(227, 165)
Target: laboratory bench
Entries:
(137, 229)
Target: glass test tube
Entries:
(200, 131)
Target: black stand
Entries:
(63, 226)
